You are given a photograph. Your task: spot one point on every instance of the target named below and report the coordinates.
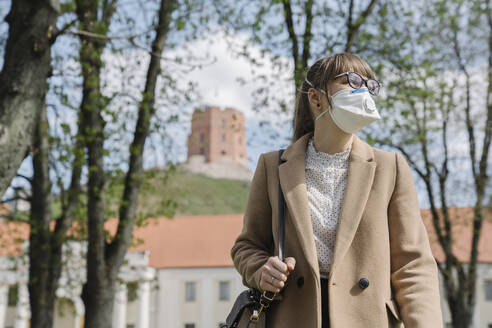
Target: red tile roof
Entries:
(12, 234)
(206, 240)
(188, 241)
(462, 233)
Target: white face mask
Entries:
(352, 109)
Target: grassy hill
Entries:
(186, 193)
(177, 192)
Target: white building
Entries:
(181, 274)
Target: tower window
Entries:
(202, 151)
(223, 137)
(223, 123)
(223, 152)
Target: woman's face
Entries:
(333, 86)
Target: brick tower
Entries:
(219, 136)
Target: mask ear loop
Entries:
(330, 107)
(312, 86)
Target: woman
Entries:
(357, 252)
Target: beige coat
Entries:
(380, 237)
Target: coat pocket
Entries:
(393, 307)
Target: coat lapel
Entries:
(292, 175)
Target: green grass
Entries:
(175, 192)
(185, 193)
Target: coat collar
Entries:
(292, 177)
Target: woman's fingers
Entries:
(277, 269)
(279, 265)
(265, 285)
(291, 263)
(268, 272)
(273, 268)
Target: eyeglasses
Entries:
(356, 81)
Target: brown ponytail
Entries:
(319, 74)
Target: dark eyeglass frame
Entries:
(374, 92)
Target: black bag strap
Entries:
(281, 214)
(267, 296)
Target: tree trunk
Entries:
(42, 283)
(45, 246)
(23, 80)
(98, 291)
(104, 259)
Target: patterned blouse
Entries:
(326, 179)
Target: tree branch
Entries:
(290, 28)
(353, 28)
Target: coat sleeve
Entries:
(414, 272)
(254, 245)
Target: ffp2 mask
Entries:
(352, 109)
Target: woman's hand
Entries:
(274, 273)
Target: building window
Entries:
(190, 291)
(223, 123)
(223, 137)
(13, 295)
(224, 290)
(202, 138)
(223, 152)
(202, 151)
(488, 290)
(189, 325)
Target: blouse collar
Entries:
(320, 160)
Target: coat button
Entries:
(300, 281)
(363, 283)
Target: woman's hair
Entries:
(319, 74)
